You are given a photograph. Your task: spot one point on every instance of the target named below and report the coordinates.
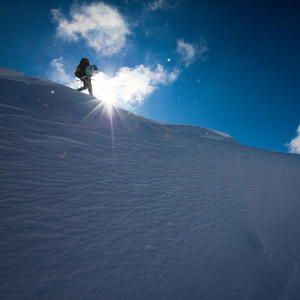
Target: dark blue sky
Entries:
(231, 66)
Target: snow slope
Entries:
(99, 203)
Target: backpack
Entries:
(80, 70)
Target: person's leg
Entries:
(90, 90)
(82, 88)
(88, 85)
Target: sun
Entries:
(104, 91)
(108, 100)
(110, 91)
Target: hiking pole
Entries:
(71, 81)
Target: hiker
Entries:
(84, 71)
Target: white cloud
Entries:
(157, 4)
(162, 4)
(186, 50)
(57, 71)
(294, 145)
(100, 25)
(191, 52)
(132, 85)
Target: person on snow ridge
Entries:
(84, 71)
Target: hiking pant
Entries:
(87, 84)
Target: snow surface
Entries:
(99, 203)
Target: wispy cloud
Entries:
(186, 51)
(100, 25)
(57, 71)
(294, 144)
(190, 52)
(128, 86)
(161, 4)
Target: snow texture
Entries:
(99, 203)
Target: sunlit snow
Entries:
(99, 203)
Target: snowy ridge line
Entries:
(190, 129)
(84, 105)
(10, 74)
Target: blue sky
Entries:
(231, 66)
